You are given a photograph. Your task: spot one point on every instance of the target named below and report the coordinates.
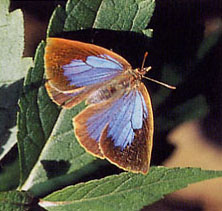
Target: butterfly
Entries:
(117, 123)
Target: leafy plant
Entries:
(50, 158)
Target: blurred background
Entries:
(186, 49)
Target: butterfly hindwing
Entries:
(119, 129)
(129, 145)
(89, 124)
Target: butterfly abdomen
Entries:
(100, 95)
(110, 90)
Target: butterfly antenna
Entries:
(159, 82)
(153, 80)
(144, 59)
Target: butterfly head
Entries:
(139, 73)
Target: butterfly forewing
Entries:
(72, 65)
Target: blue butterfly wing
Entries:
(120, 129)
(89, 124)
(94, 70)
(74, 69)
(127, 141)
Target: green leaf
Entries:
(62, 159)
(148, 32)
(15, 201)
(12, 66)
(126, 15)
(12, 69)
(208, 43)
(57, 22)
(126, 191)
(9, 177)
(36, 117)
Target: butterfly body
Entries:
(117, 124)
(122, 84)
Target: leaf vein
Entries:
(96, 14)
